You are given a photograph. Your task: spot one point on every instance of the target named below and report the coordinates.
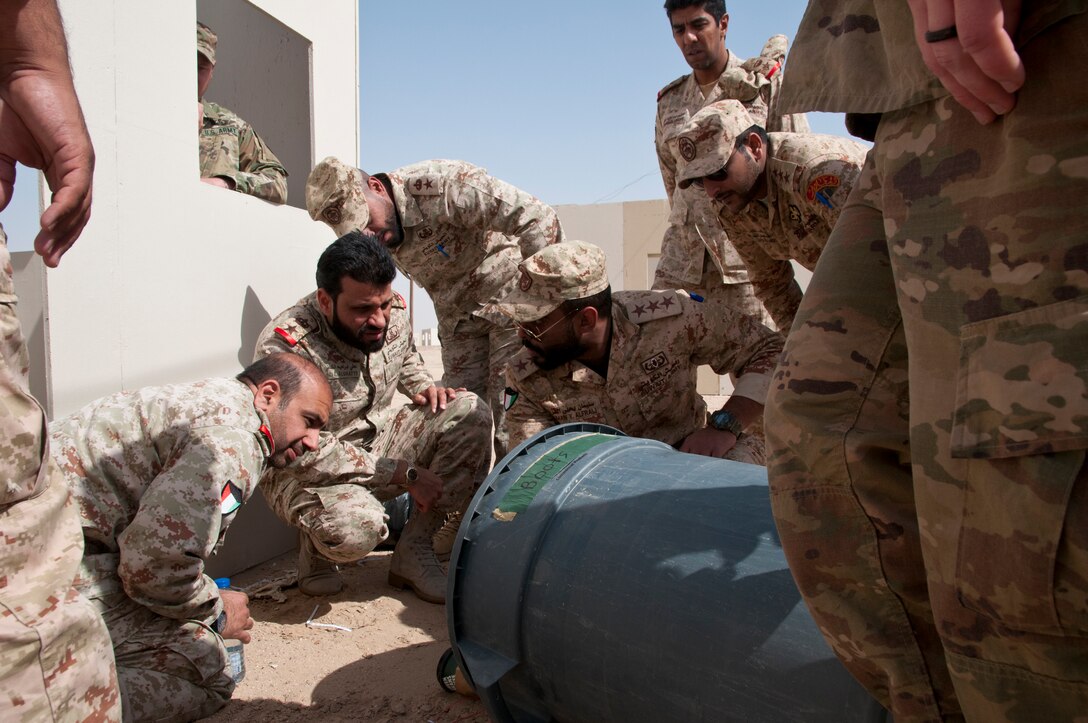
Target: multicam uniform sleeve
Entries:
(179, 522)
(259, 173)
(479, 200)
(735, 343)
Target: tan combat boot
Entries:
(446, 536)
(316, 575)
(414, 563)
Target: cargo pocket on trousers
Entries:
(1021, 422)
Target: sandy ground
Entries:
(383, 669)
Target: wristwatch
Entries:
(220, 622)
(725, 421)
(411, 475)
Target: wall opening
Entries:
(263, 73)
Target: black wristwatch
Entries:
(725, 421)
(411, 475)
(220, 622)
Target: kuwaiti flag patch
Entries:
(231, 499)
(509, 397)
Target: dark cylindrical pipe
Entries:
(598, 577)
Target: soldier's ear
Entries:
(267, 396)
(586, 319)
(325, 303)
(756, 147)
(375, 186)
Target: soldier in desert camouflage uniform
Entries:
(777, 195)
(158, 474)
(696, 253)
(438, 448)
(630, 361)
(232, 155)
(55, 658)
(458, 233)
(955, 588)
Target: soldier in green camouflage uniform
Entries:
(356, 329)
(158, 474)
(954, 588)
(232, 155)
(778, 196)
(696, 252)
(55, 657)
(457, 232)
(630, 361)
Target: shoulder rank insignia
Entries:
(291, 341)
(646, 306)
(521, 365)
(425, 185)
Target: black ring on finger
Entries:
(936, 36)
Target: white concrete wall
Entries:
(172, 279)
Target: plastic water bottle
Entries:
(236, 657)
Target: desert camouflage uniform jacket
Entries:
(159, 474)
(363, 386)
(809, 177)
(693, 224)
(659, 339)
(465, 232)
(230, 148)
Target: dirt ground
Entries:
(383, 669)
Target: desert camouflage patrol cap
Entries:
(205, 41)
(334, 195)
(556, 273)
(706, 142)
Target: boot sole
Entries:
(403, 583)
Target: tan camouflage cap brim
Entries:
(206, 41)
(706, 142)
(557, 273)
(334, 195)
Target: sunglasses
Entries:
(536, 336)
(719, 175)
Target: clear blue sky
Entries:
(557, 97)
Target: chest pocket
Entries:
(582, 408)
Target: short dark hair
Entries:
(742, 137)
(358, 254)
(714, 8)
(285, 367)
(601, 301)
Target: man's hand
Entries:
(214, 181)
(236, 606)
(709, 442)
(426, 490)
(436, 397)
(980, 67)
(41, 124)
